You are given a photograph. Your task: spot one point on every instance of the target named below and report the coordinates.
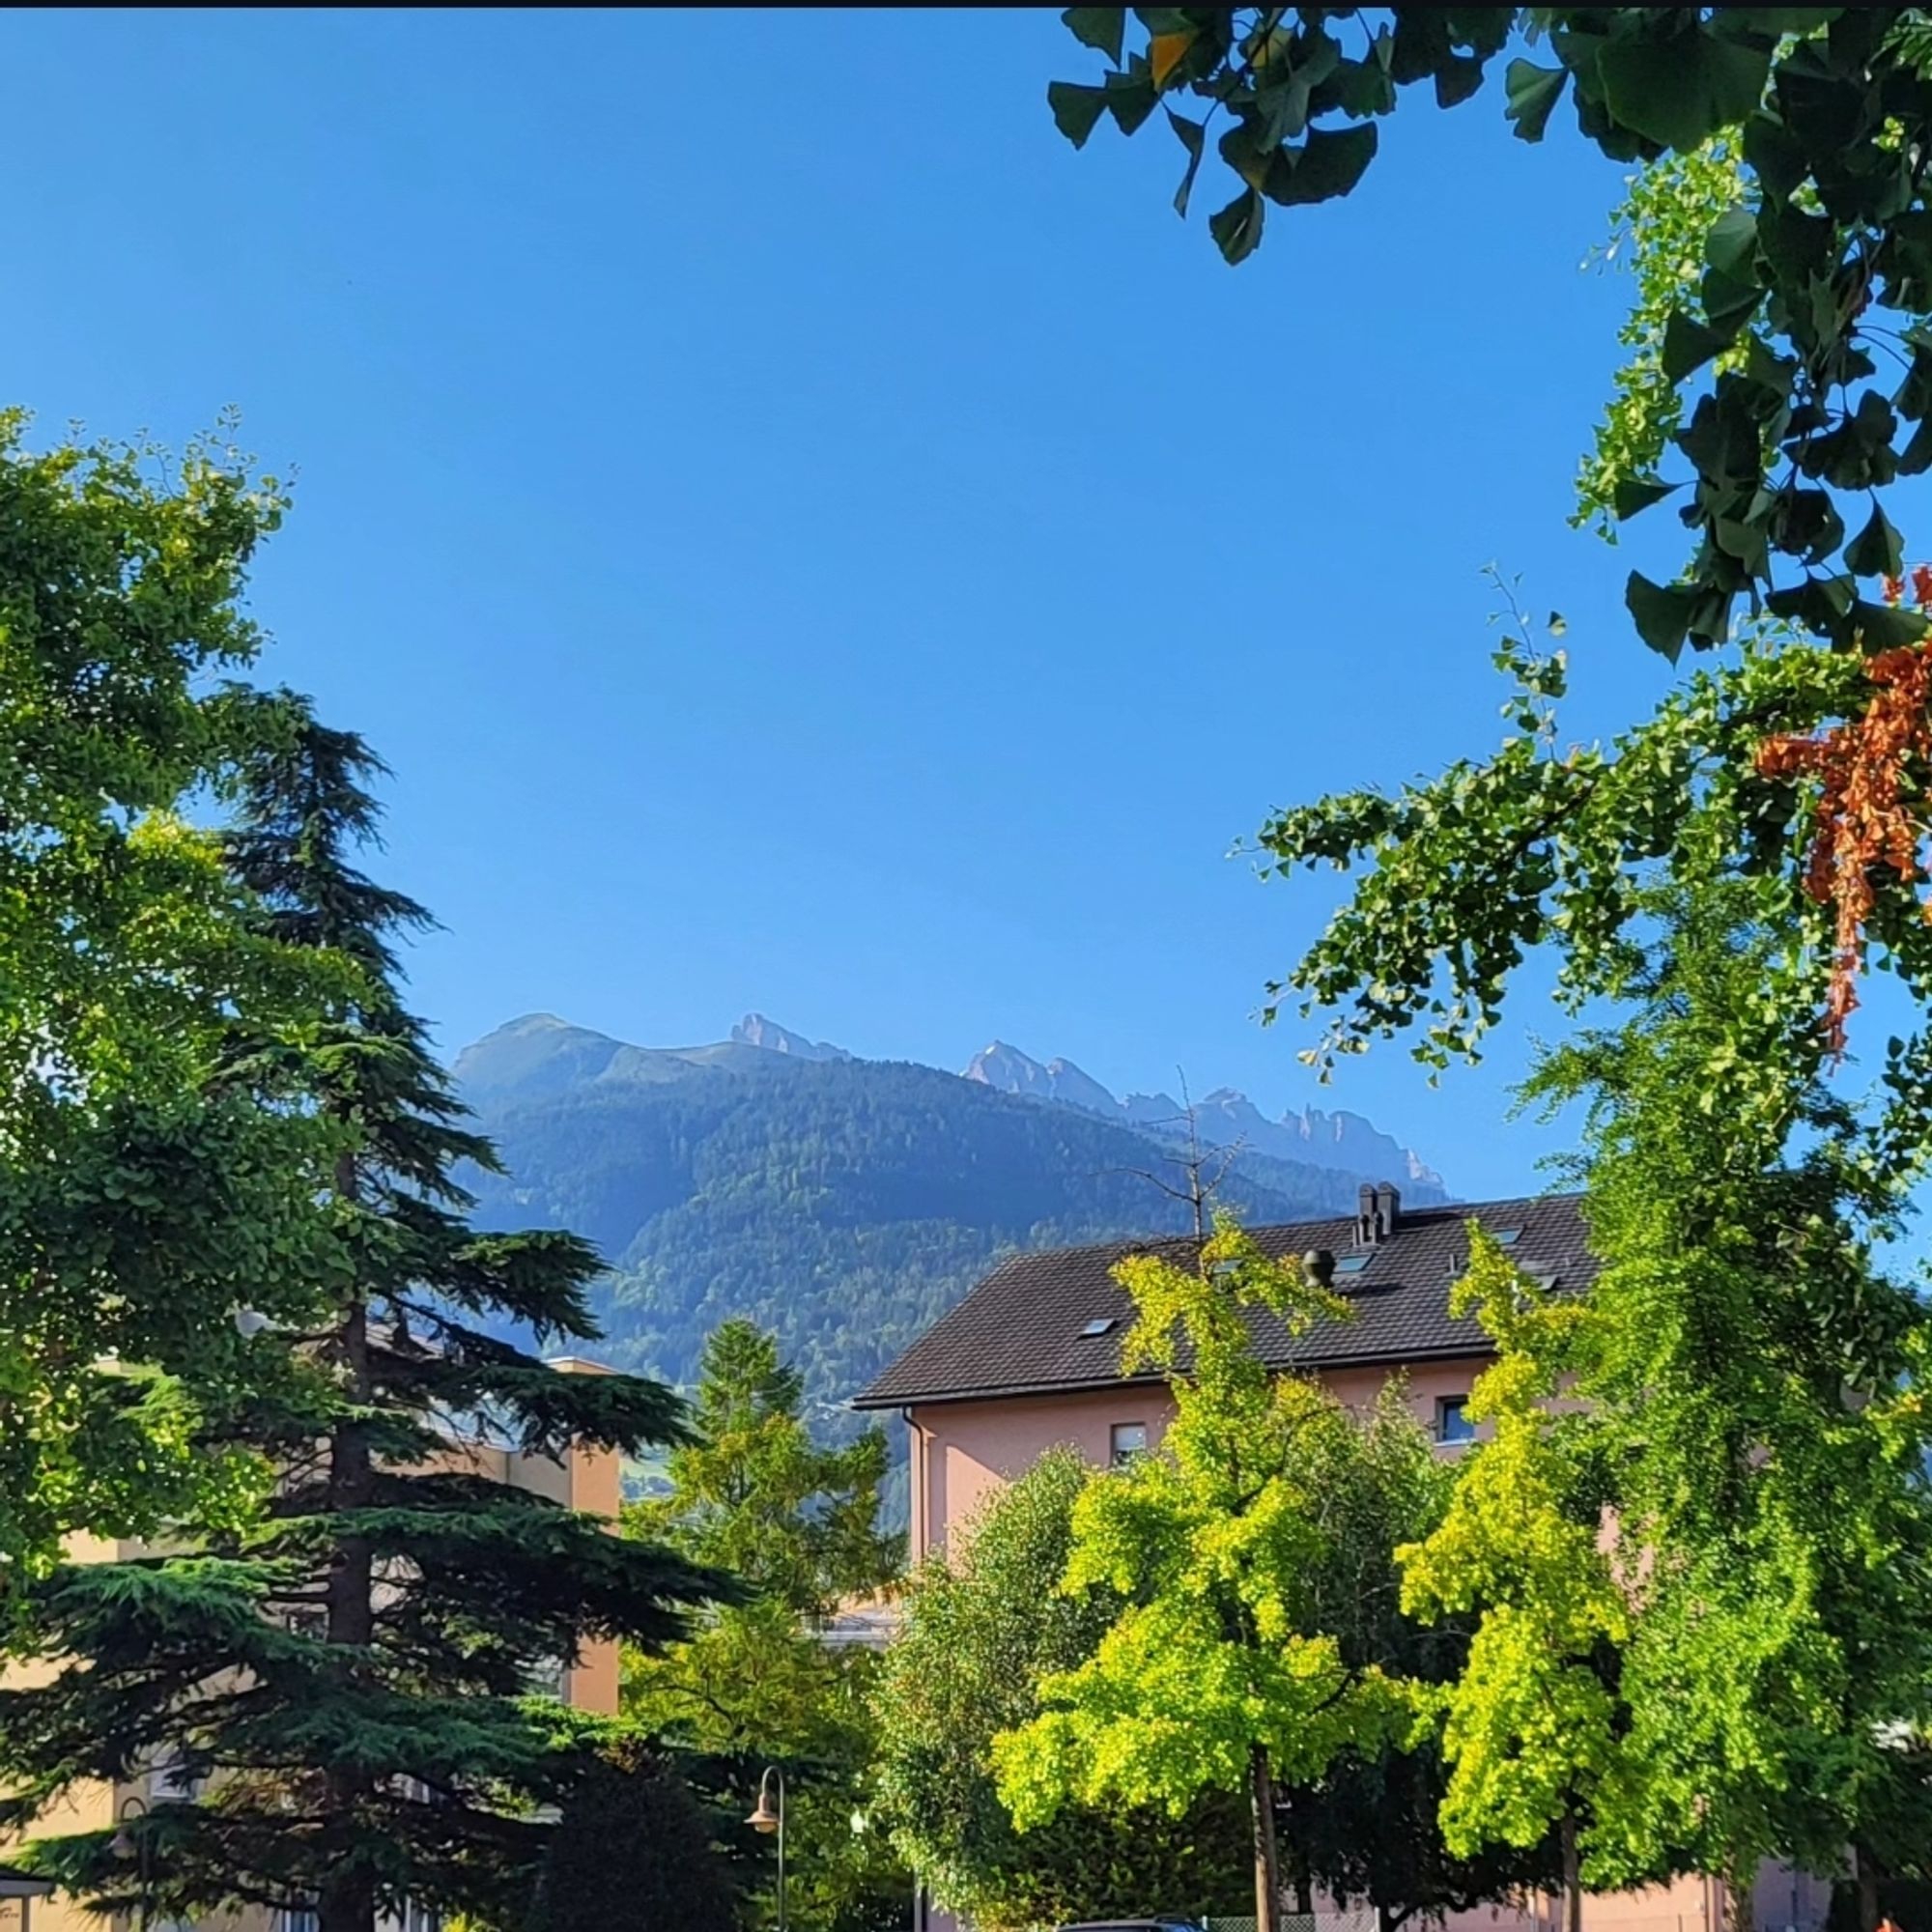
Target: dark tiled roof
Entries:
(1018, 1331)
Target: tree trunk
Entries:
(1865, 1867)
(1741, 1895)
(1267, 1864)
(346, 1901)
(1573, 1877)
(1294, 1858)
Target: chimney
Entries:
(1376, 1214)
(1388, 1210)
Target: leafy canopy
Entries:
(1753, 1379)
(1226, 1554)
(1813, 274)
(1782, 381)
(985, 1624)
(755, 1494)
(1698, 1576)
(1529, 1723)
(144, 1201)
(635, 1846)
(350, 1671)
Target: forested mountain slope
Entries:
(845, 1203)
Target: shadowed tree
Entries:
(349, 1675)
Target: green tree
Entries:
(1783, 367)
(1755, 1381)
(1829, 111)
(755, 1494)
(1530, 1722)
(1712, 1559)
(1370, 1834)
(983, 1628)
(1784, 356)
(1222, 1669)
(349, 1674)
(756, 1682)
(141, 1202)
(635, 1847)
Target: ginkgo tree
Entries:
(1779, 222)
(1531, 1724)
(1752, 1380)
(1234, 1552)
(1698, 1541)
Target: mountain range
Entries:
(1223, 1117)
(848, 1203)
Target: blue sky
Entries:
(806, 539)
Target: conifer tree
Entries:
(796, 1521)
(349, 1676)
(755, 1494)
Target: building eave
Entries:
(1018, 1391)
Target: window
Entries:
(1101, 1325)
(1127, 1439)
(1351, 1263)
(1505, 1237)
(171, 1779)
(294, 1918)
(1451, 1420)
(548, 1678)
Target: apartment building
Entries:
(1030, 1362)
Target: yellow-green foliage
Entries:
(1658, 229)
(1529, 1722)
(1222, 1550)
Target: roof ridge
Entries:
(1024, 1327)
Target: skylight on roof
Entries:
(1351, 1263)
(1101, 1325)
(1505, 1237)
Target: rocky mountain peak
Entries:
(1011, 1072)
(1222, 1118)
(756, 1029)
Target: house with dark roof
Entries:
(1031, 1359)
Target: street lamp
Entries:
(765, 1819)
(126, 1844)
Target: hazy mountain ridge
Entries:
(1223, 1117)
(845, 1203)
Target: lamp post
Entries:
(133, 1844)
(765, 1819)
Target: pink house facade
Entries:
(1030, 1362)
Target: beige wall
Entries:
(590, 1480)
(962, 1451)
